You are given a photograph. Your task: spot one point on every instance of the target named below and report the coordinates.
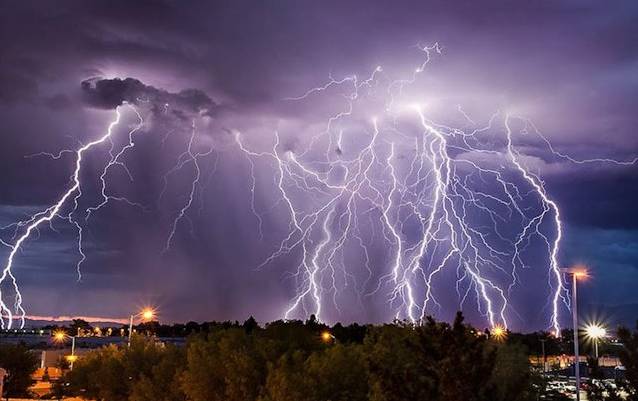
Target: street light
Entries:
(577, 273)
(499, 333)
(595, 332)
(61, 336)
(147, 314)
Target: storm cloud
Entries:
(570, 66)
(110, 93)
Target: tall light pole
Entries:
(147, 315)
(577, 273)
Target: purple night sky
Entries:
(571, 67)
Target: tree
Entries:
(100, 375)
(512, 378)
(250, 325)
(629, 354)
(20, 363)
(338, 374)
(433, 361)
(79, 325)
(459, 348)
(629, 358)
(163, 381)
(285, 380)
(227, 366)
(395, 371)
(145, 371)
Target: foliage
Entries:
(162, 382)
(20, 363)
(291, 361)
(113, 373)
(629, 354)
(337, 373)
(512, 378)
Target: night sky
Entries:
(571, 67)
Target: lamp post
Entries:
(577, 273)
(60, 336)
(147, 314)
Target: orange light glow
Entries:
(499, 332)
(148, 314)
(581, 274)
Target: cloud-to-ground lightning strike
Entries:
(188, 156)
(382, 201)
(32, 224)
(444, 201)
(67, 206)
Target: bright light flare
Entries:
(595, 331)
(148, 314)
(581, 274)
(59, 336)
(499, 333)
(326, 336)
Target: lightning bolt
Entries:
(45, 217)
(67, 206)
(380, 200)
(189, 156)
(467, 194)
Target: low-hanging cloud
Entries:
(110, 93)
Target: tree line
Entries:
(301, 361)
(308, 361)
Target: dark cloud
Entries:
(110, 93)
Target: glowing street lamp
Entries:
(60, 337)
(595, 332)
(577, 273)
(147, 314)
(499, 333)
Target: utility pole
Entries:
(575, 324)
